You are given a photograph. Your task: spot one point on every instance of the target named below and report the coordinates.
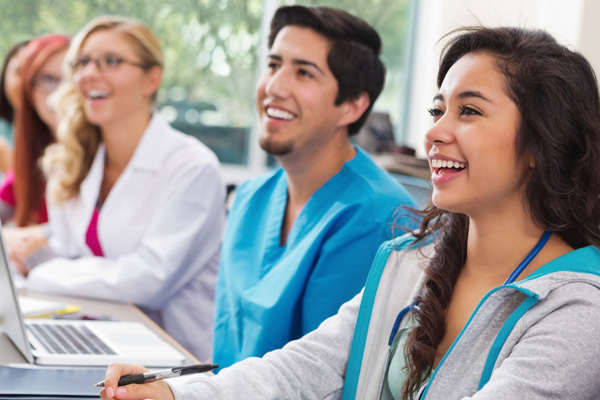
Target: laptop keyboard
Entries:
(68, 339)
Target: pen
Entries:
(165, 373)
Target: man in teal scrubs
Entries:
(299, 241)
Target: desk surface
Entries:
(122, 312)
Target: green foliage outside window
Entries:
(210, 49)
(393, 20)
(211, 54)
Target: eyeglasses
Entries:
(104, 63)
(46, 83)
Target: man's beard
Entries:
(276, 148)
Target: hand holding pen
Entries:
(129, 374)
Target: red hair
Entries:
(31, 134)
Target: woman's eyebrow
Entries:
(464, 95)
(473, 93)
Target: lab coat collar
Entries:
(148, 155)
(152, 147)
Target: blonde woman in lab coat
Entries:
(136, 208)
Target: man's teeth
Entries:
(279, 114)
(447, 164)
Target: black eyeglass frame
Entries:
(103, 63)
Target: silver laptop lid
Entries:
(11, 319)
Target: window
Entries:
(394, 22)
(213, 49)
(210, 49)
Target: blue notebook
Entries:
(29, 382)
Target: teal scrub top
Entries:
(268, 294)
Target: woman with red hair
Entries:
(22, 190)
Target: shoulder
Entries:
(570, 310)
(404, 252)
(372, 181)
(580, 266)
(162, 141)
(189, 149)
(571, 282)
(184, 159)
(257, 196)
(406, 242)
(566, 289)
(264, 183)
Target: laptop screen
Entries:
(11, 320)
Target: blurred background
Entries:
(215, 51)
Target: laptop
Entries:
(77, 342)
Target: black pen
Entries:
(165, 373)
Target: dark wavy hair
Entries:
(354, 55)
(7, 111)
(556, 92)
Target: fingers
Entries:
(18, 263)
(116, 371)
(158, 390)
(20, 266)
(153, 390)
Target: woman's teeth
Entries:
(447, 164)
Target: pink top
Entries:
(7, 195)
(91, 236)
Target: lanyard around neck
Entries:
(540, 244)
(511, 278)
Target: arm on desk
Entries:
(311, 367)
(176, 245)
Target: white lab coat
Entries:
(160, 230)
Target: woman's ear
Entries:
(152, 80)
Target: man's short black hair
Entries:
(354, 55)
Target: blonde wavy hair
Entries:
(67, 162)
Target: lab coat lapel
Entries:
(152, 148)
(148, 156)
(123, 198)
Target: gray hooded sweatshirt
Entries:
(538, 338)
